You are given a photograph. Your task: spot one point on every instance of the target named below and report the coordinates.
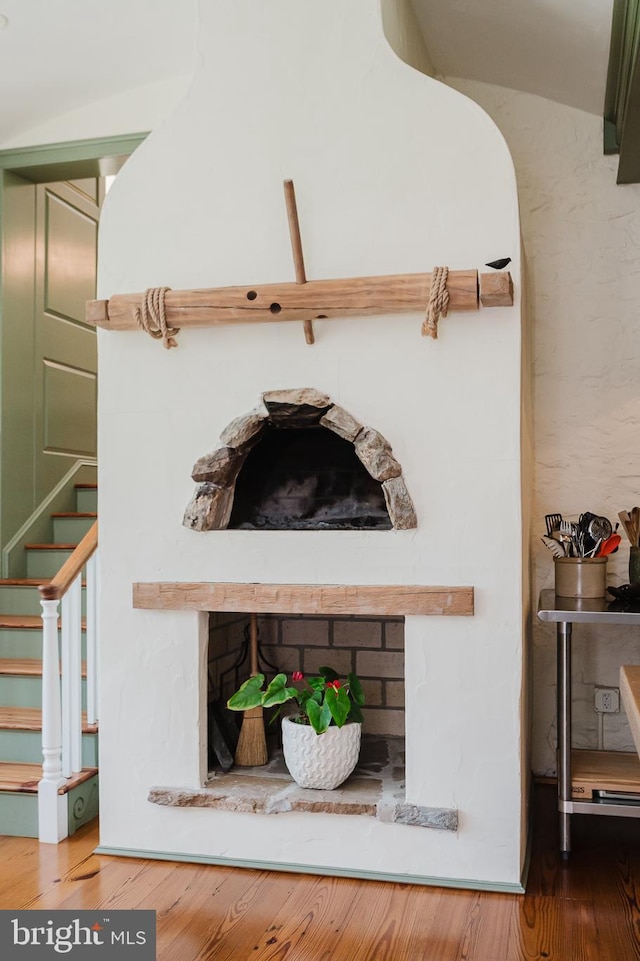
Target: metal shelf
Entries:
(589, 770)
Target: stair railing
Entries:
(62, 680)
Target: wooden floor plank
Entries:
(217, 913)
(618, 909)
(86, 885)
(219, 917)
(554, 929)
(29, 870)
(320, 915)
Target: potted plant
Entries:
(321, 743)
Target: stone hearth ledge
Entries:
(375, 789)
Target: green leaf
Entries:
(355, 688)
(320, 717)
(317, 683)
(339, 704)
(278, 692)
(248, 694)
(329, 674)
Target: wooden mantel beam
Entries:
(304, 598)
(315, 299)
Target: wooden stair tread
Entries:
(75, 514)
(28, 581)
(21, 621)
(25, 777)
(630, 694)
(23, 581)
(26, 622)
(85, 487)
(50, 547)
(26, 666)
(30, 719)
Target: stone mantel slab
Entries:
(367, 599)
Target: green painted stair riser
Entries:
(45, 563)
(19, 814)
(23, 600)
(19, 811)
(70, 530)
(26, 746)
(27, 643)
(86, 500)
(83, 803)
(21, 690)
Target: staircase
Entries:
(21, 683)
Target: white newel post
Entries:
(52, 807)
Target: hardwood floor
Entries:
(588, 910)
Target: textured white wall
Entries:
(72, 62)
(403, 33)
(582, 235)
(137, 110)
(314, 92)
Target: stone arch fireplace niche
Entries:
(299, 463)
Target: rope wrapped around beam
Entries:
(151, 317)
(438, 305)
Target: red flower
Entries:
(297, 676)
(335, 685)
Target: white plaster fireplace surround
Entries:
(394, 173)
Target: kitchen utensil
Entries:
(594, 550)
(554, 546)
(629, 530)
(566, 538)
(553, 522)
(584, 539)
(609, 546)
(600, 528)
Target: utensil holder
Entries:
(634, 565)
(581, 576)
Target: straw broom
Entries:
(252, 743)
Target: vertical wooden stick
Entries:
(252, 743)
(253, 642)
(296, 247)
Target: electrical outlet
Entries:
(607, 700)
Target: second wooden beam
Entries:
(265, 303)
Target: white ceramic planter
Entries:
(320, 761)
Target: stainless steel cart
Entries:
(610, 795)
